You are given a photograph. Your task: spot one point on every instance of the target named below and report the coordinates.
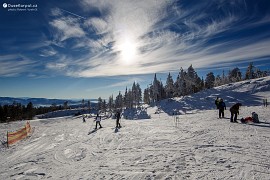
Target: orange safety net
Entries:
(13, 137)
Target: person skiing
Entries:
(83, 119)
(221, 107)
(235, 111)
(98, 119)
(216, 102)
(117, 115)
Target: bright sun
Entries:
(128, 52)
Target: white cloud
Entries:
(47, 52)
(67, 27)
(13, 65)
(99, 25)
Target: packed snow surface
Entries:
(192, 145)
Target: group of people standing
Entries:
(221, 106)
(98, 120)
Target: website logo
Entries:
(5, 5)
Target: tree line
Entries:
(130, 99)
(17, 111)
(186, 83)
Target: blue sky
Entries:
(92, 48)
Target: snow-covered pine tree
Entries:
(99, 104)
(136, 94)
(209, 80)
(176, 91)
(198, 83)
(182, 84)
(110, 103)
(151, 93)
(130, 98)
(104, 106)
(139, 94)
(162, 91)
(258, 73)
(224, 79)
(119, 101)
(125, 98)
(202, 84)
(146, 96)
(156, 89)
(250, 72)
(191, 80)
(235, 75)
(169, 87)
(218, 81)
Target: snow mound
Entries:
(135, 113)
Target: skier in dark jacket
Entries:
(235, 111)
(117, 115)
(221, 107)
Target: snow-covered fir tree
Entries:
(180, 84)
(125, 98)
(128, 99)
(210, 80)
(250, 72)
(119, 101)
(139, 94)
(169, 87)
(176, 89)
(104, 106)
(155, 89)
(99, 104)
(218, 81)
(136, 94)
(190, 80)
(110, 103)
(146, 96)
(235, 75)
(89, 106)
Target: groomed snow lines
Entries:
(13, 137)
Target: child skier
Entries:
(98, 119)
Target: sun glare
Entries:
(128, 52)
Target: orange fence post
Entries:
(7, 138)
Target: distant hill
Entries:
(40, 101)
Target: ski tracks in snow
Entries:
(201, 146)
